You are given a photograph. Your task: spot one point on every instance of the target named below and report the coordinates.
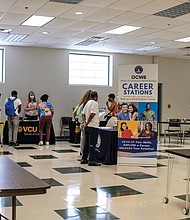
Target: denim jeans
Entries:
(91, 136)
(13, 122)
(82, 140)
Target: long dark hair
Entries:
(123, 123)
(148, 123)
(134, 108)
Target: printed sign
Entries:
(137, 115)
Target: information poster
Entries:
(137, 115)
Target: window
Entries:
(90, 69)
(2, 68)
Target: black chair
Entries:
(174, 127)
(186, 133)
(65, 126)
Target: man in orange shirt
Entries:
(112, 107)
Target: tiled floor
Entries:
(108, 192)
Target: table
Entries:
(75, 138)
(107, 146)
(28, 133)
(167, 122)
(185, 153)
(18, 182)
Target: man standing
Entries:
(12, 110)
(147, 115)
(90, 117)
(113, 107)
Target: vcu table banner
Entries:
(137, 115)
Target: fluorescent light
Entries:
(123, 29)
(37, 21)
(15, 37)
(186, 39)
(78, 13)
(148, 48)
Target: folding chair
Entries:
(65, 126)
(174, 127)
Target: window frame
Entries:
(2, 67)
(110, 68)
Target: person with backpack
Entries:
(12, 110)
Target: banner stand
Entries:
(137, 114)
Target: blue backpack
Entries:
(9, 107)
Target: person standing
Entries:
(12, 110)
(90, 117)
(112, 107)
(78, 115)
(30, 107)
(45, 112)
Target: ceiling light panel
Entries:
(37, 21)
(123, 30)
(175, 11)
(186, 39)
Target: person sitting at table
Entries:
(45, 111)
(134, 112)
(124, 114)
(30, 107)
(125, 132)
(112, 107)
(147, 132)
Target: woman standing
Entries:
(78, 114)
(30, 107)
(45, 111)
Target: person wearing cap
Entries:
(45, 111)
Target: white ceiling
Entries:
(99, 16)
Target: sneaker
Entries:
(94, 163)
(15, 144)
(10, 143)
(47, 143)
(40, 143)
(84, 161)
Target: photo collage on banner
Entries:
(137, 114)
